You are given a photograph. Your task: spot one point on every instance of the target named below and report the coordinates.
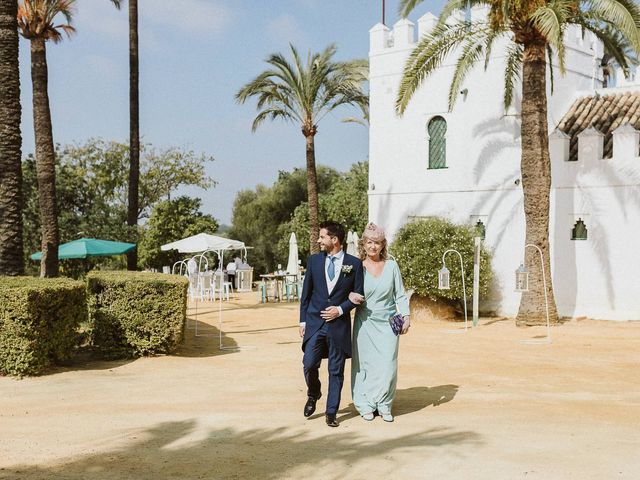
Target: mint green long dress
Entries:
(374, 364)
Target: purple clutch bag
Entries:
(397, 322)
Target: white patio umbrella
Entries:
(352, 243)
(201, 244)
(292, 264)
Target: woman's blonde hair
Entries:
(362, 252)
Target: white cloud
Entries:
(192, 16)
(285, 27)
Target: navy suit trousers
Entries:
(318, 346)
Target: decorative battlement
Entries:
(403, 33)
(591, 142)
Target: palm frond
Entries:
(550, 20)
(426, 57)
(624, 15)
(406, 7)
(305, 92)
(512, 72)
(269, 113)
(615, 45)
(452, 6)
(36, 19)
(474, 46)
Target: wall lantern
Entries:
(480, 229)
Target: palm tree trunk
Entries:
(536, 183)
(134, 132)
(312, 190)
(45, 160)
(11, 198)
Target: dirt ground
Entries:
(474, 405)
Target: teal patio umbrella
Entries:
(89, 247)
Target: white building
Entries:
(476, 176)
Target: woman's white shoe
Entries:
(368, 416)
(387, 417)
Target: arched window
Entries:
(437, 129)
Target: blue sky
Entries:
(194, 56)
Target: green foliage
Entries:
(304, 92)
(265, 217)
(39, 318)
(133, 314)
(172, 220)
(346, 202)
(259, 215)
(91, 189)
(418, 249)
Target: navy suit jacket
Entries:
(316, 298)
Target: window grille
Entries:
(437, 130)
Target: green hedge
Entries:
(418, 248)
(136, 313)
(39, 318)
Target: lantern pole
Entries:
(464, 291)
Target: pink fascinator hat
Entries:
(374, 232)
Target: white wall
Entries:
(483, 172)
(598, 277)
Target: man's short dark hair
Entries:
(334, 229)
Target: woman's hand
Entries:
(356, 298)
(406, 324)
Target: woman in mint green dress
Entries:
(374, 365)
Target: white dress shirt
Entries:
(337, 263)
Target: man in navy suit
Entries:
(325, 323)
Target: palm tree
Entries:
(534, 30)
(134, 130)
(304, 94)
(608, 61)
(11, 200)
(133, 195)
(36, 23)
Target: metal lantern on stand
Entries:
(443, 284)
(443, 278)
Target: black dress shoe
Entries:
(310, 406)
(331, 420)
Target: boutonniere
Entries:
(347, 268)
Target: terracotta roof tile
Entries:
(603, 112)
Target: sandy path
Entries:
(479, 405)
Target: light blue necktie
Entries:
(331, 271)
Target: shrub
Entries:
(39, 318)
(136, 313)
(418, 248)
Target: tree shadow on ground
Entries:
(203, 340)
(181, 450)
